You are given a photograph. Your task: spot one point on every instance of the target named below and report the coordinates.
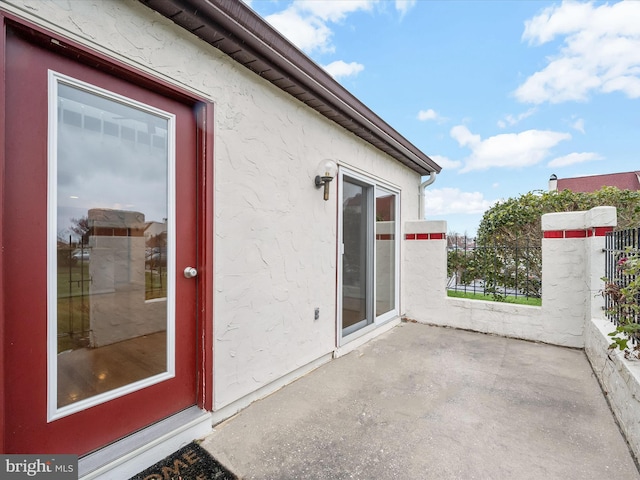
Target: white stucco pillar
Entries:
(424, 270)
(572, 265)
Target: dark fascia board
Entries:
(238, 31)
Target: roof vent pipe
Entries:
(421, 190)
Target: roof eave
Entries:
(235, 29)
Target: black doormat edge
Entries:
(191, 462)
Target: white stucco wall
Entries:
(275, 238)
(571, 271)
(619, 378)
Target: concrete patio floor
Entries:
(423, 402)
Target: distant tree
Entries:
(459, 266)
(457, 241)
(513, 229)
(520, 217)
(80, 226)
(159, 240)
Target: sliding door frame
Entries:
(371, 186)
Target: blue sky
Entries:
(501, 94)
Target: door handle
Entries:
(190, 272)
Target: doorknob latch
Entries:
(190, 272)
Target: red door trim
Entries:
(85, 55)
(205, 234)
(204, 195)
(3, 36)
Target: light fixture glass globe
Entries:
(326, 171)
(327, 168)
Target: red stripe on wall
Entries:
(575, 234)
(425, 236)
(602, 231)
(596, 231)
(385, 236)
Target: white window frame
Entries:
(371, 260)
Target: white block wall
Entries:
(619, 378)
(572, 264)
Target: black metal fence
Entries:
(499, 271)
(622, 249)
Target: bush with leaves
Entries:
(520, 217)
(624, 296)
(501, 269)
(518, 221)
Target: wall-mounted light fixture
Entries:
(327, 170)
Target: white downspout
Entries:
(421, 189)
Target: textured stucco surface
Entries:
(619, 377)
(571, 284)
(275, 238)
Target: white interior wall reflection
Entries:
(386, 252)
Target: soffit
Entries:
(235, 29)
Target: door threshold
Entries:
(362, 336)
(136, 452)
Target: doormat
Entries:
(189, 463)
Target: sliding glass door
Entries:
(369, 260)
(356, 258)
(386, 252)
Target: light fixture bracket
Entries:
(328, 170)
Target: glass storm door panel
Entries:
(385, 251)
(100, 323)
(356, 264)
(112, 326)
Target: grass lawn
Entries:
(536, 302)
(156, 284)
(74, 301)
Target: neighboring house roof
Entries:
(238, 31)
(623, 181)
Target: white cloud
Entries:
(306, 23)
(446, 201)
(510, 150)
(445, 162)
(600, 53)
(339, 69)
(430, 114)
(403, 6)
(578, 125)
(331, 10)
(514, 119)
(574, 158)
(307, 33)
(464, 137)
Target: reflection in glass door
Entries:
(111, 330)
(385, 252)
(355, 259)
(369, 277)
